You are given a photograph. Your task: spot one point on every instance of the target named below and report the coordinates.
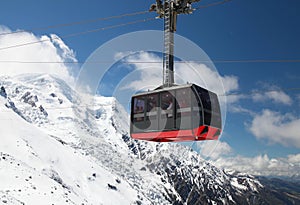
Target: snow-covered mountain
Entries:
(58, 148)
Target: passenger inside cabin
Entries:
(139, 106)
(151, 105)
(169, 108)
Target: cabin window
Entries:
(197, 116)
(167, 110)
(151, 112)
(211, 108)
(138, 109)
(152, 103)
(205, 98)
(206, 103)
(183, 108)
(215, 103)
(216, 112)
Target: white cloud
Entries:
(272, 93)
(294, 159)
(240, 109)
(52, 49)
(214, 149)
(275, 96)
(276, 128)
(149, 71)
(223, 156)
(205, 77)
(262, 165)
(121, 55)
(233, 98)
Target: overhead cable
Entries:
(156, 62)
(77, 22)
(212, 4)
(78, 34)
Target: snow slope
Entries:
(59, 148)
(36, 167)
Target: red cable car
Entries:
(174, 112)
(178, 113)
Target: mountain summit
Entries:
(57, 149)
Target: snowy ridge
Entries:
(59, 149)
(36, 167)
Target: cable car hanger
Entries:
(174, 113)
(169, 11)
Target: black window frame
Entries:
(211, 107)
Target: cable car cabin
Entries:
(178, 113)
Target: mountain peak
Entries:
(57, 148)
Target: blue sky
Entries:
(237, 30)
